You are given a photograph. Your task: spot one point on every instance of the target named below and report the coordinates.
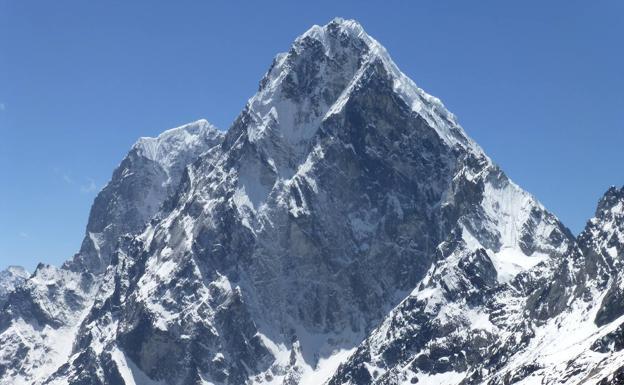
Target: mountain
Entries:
(147, 176)
(344, 230)
(9, 279)
(41, 317)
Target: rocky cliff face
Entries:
(345, 230)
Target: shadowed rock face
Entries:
(344, 218)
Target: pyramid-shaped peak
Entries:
(339, 35)
(348, 27)
(315, 78)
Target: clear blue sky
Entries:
(538, 84)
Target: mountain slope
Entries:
(559, 322)
(583, 342)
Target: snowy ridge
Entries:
(10, 279)
(167, 147)
(514, 211)
(429, 107)
(144, 180)
(273, 172)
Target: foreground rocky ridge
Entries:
(345, 230)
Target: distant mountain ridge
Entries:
(10, 279)
(344, 230)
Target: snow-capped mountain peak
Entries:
(146, 177)
(11, 277)
(331, 61)
(345, 230)
(167, 147)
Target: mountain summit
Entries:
(344, 230)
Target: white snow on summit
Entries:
(167, 147)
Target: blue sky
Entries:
(538, 84)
